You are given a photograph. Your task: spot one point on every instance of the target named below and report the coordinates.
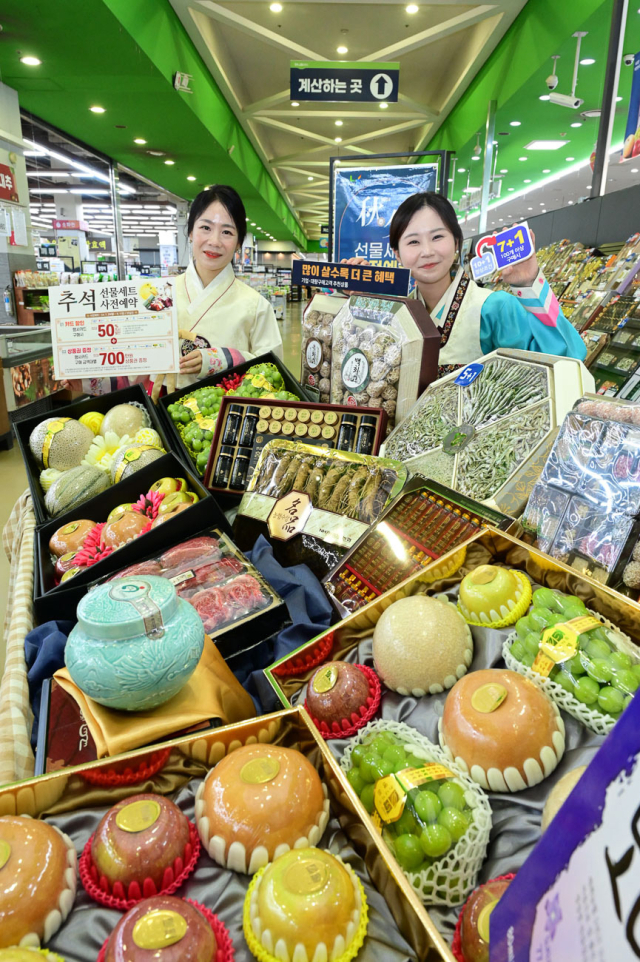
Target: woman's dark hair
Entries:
(416, 202)
(229, 198)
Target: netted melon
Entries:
(125, 419)
(75, 487)
(60, 443)
(131, 458)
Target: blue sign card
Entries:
(342, 82)
(351, 277)
(483, 266)
(577, 896)
(468, 374)
(512, 246)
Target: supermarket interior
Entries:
(353, 288)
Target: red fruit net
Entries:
(349, 726)
(456, 945)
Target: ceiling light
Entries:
(338, 140)
(546, 171)
(30, 61)
(569, 159)
(586, 62)
(591, 114)
(383, 106)
(510, 188)
(96, 110)
(634, 170)
(462, 170)
(139, 140)
(577, 124)
(169, 163)
(500, 219)
(527, 181)
(253, 223)
(504, 170)
(309, 178)
(544, 97)
(544, 212)
(546, 144)
(475, 158)
(529, 208)
(338, 123)
(294, 103)
(343, 50)
(618, 99)
(522, 158)
(190, 178)
(515, 123)
(569, 202)
(542, 203)
(275, 8)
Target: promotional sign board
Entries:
(364, 202)
(631, 146)
(117, 328)
(497, 251)
(341, 82)
(577, 897)
(360, 279)
(8, 187)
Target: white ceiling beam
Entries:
(383, 132)
(222, 15)
(285, 164)
(302, 157)
(343, 114)
(268, 102)
(416, 107)
(300, 192)
(290, 129)
(300, 170)
(431, 34)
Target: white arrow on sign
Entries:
(381, 86)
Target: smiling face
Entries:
(215, 241)
(427, 247)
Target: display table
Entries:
(16, 717)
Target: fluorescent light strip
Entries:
(544, 183)
(78, 166)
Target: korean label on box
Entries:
(117, 328)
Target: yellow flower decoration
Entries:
(47, 477)
(102, 450)
(92, 420)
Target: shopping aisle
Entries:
(13, 479)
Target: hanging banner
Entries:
(631, 146)
(364, 202)
(8, 187)
(340, 82)
(117, 328)
(577, 896)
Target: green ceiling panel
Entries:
(122, 54)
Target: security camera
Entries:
(628, 59)
(552, 81)
(565, 100)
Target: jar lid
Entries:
(255, 411)
(235, 409)
(349, 419)
(126, 608)
(226, 451)
(244, 453)
(368, 419)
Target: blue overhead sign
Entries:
(341, 82)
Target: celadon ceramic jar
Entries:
(136, 643)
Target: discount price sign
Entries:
(118, 328)
(497, 251)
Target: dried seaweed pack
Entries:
(314, 504)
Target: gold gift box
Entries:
(489, 546)
(192, 756)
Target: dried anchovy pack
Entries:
(314, 504)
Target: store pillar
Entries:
(16, 247)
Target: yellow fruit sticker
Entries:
(5, 853)
(325, 679)
(488, 697)
(389, 798)
(483, 920)
(306, 877)
(259, 771)
(206, 424)
(52, 429)
(138, 816)
(159, 929)
(560, 642)
(414, 777)
(192, 404)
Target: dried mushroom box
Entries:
(384, 353)
(585, 507)
(313, 504)
(486, 430)
(317, 337)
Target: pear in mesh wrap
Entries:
(421, 645)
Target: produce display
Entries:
(214, 577)
(501, 729)
(17, 954)
(38, 880)
(424, 522)
(194, 415)
(342, 697)
(559, 794)
(298, 490)
(472, 943)
(258, 802)
(585, 507)
(480, 436)
(244, 428)
(421, 645)
(89, 542)
(167, 929)
(140, 845)
(113, 653)
(384, 353)
(306, 905)
(494, 597)
(588, 668)
(435, 821)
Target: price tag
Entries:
(468, 374)
(117, 328)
